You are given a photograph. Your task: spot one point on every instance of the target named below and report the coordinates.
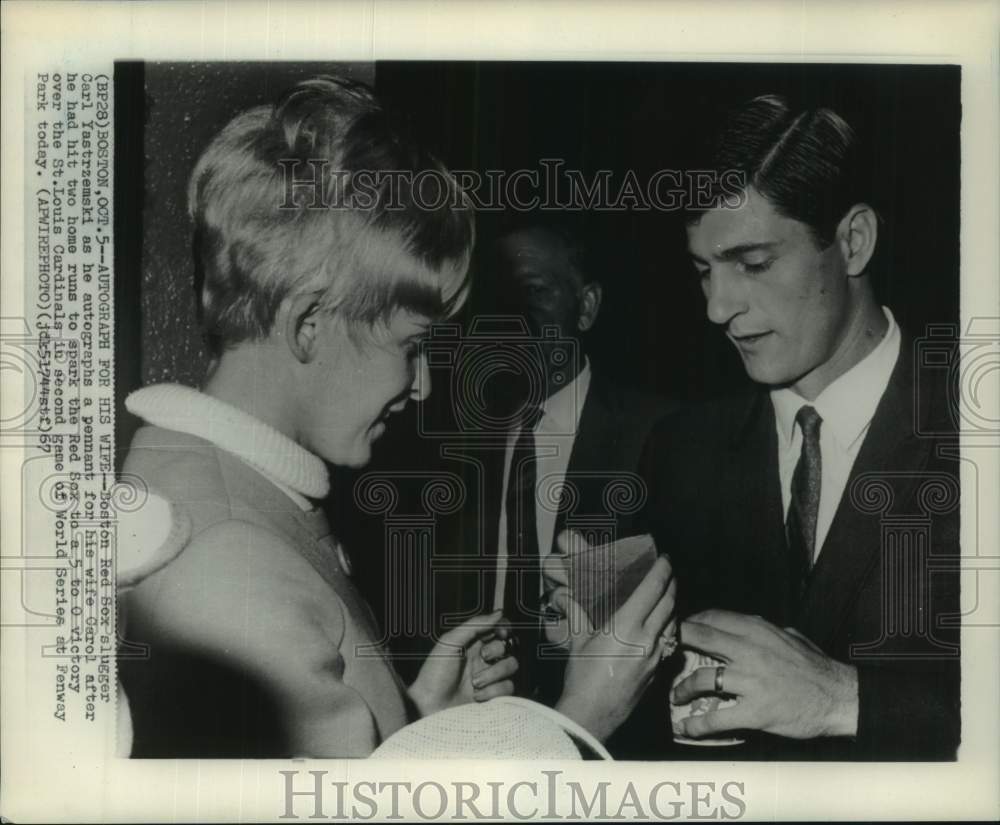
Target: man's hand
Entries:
(469, 663)
(784, 683)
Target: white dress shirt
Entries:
(847, 407)
(554, 436)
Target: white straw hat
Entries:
(504, 728)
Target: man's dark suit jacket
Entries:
(615, 424)
(883, 594)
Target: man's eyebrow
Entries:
(738, 250)
(535, 280)
(532, 272)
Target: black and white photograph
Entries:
(515, 410)
(524, 372)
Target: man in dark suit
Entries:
(568, 459)
(812, 524)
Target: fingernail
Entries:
(477, 685)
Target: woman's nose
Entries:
(421, 387)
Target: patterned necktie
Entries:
(803, 511)
(523, 583)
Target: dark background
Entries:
(477, 116)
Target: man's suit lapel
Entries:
(594, 456)
(470, 589)
(750, 492)
(489, 527)
(852, 545)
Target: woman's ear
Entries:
(857, 234)
(300, 325)
(590, 305)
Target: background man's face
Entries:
(784, 303)
(540, 285)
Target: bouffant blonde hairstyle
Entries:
(320, 193)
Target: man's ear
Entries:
(300, 325)
(857, 235)
(590, 306)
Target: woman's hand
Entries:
(470, 663)
(609, 669)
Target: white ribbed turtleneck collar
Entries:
(275, 455)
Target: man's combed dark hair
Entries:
(366, 241)
(806, 163)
